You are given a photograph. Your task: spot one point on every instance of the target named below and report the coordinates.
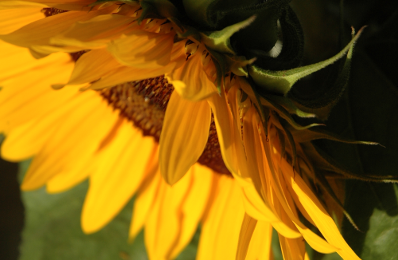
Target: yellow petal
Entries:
(92, 66)
(246, 232)
(158, 236)
(194, 205)
(40, 32)
(228, 135)
(127, 74)
(23, 142)
(7, 4)
(29, 95)
(59, 155)
(285, 200)
(177, 213)
(101, 128)
(101, 67)
(16, 61)
(251, 144)
(191, 81)
(255, 240)
(96, 32)
(143, 204)
(37, 35)
(142, 49)
(13, 19)
(293, 249)
(260, 244)
(119, 174)
(256, 169)
(260, 210)
(221, 226)
(319, 215)
(29, 98)
(184, 136)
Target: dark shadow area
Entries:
(11, 211)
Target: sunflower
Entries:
(137, 100)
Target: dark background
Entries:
(11, 211)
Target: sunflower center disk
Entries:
(144, 104)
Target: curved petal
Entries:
(37, 35)
(101, 128)
(246, 232)
(293, 249)
(29, 96)
(184, 136)
(221, 226)
(119, 174)
(126, 74)
(44, 3)
(176, 215)
(195, 205)
(285, 201)
(57, 155)
(260, 243)
(13, 19)
(40, 32)
(255, 240)
(96, 32)
(318, 214)
(143, 49)
(143, 204)
(259, 209)
(12, 4)
(92, 66)
(19, 61)
(191, 81)
(257, 170)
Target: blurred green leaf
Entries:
(374, 207)
(53, 231)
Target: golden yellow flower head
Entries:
(184, 104)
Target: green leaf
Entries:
(374, 207)
(52, 230)
(281, 82)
